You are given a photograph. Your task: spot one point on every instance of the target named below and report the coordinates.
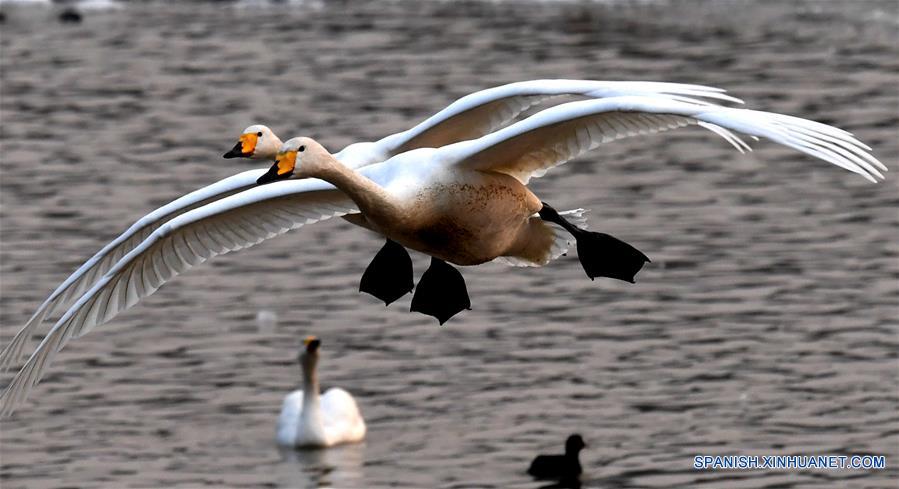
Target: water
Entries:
(766, 323)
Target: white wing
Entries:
(341, 417)
(467, 118)
(289, 418)
(558, 134)
(482, 112)
(100, 263)
(230, 224)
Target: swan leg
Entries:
(441, 292)
(389, 275)
(600, 254)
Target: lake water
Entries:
(766, 323)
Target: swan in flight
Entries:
(469, 117)
(309, 419)
(402, 195)
(468, 203)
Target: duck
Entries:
(463, 203)
(469, 117)
(560, 467)
(312, 420)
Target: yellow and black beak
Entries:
(312, 343)
(244, 147)
(281, 170)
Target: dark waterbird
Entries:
(566, 468)
(70, 16)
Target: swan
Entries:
(468, 203)
(471, 116)
(309, 419)
(505, 159)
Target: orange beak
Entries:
(281, 170)
(245, 146)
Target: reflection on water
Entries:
(564, 483)
(339, 466)
(766, 323)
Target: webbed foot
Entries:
(389, 275)
(441, 292)
(600, 254)
(603, 255)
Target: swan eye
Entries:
(301, 149)
(259, 134)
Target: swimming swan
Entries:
(469, 117)
(310, 420)
(504, 160)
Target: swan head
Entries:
(298, 158)
(574, 444)
(309, 353)
(257, 142)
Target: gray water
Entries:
(766, 323)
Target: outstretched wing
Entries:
(230, 224)
(483, 112)
(467, 118)
(103, 260)
(558, 134)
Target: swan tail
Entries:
(561, 240)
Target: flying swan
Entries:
(465, 203)
(309, 419)
(469, 117)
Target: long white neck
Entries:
(374, 202)
(310, 426)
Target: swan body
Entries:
(469, 117)
(467, 202)
(309, 419)
(416, 197)
(466, 218)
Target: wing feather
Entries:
(469, 117)
(82, 278)
(230, 224)
(483, 112)
(549, 138)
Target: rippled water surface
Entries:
(766, 323)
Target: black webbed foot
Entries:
(441, 292)
(603, 255)
(389, 275)
(600, 254)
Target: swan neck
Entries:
(370, 197)
(310, 388)
(310, 429)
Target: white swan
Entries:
(467, 203)
(312, 420)
(508, 158)
(471, 116)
